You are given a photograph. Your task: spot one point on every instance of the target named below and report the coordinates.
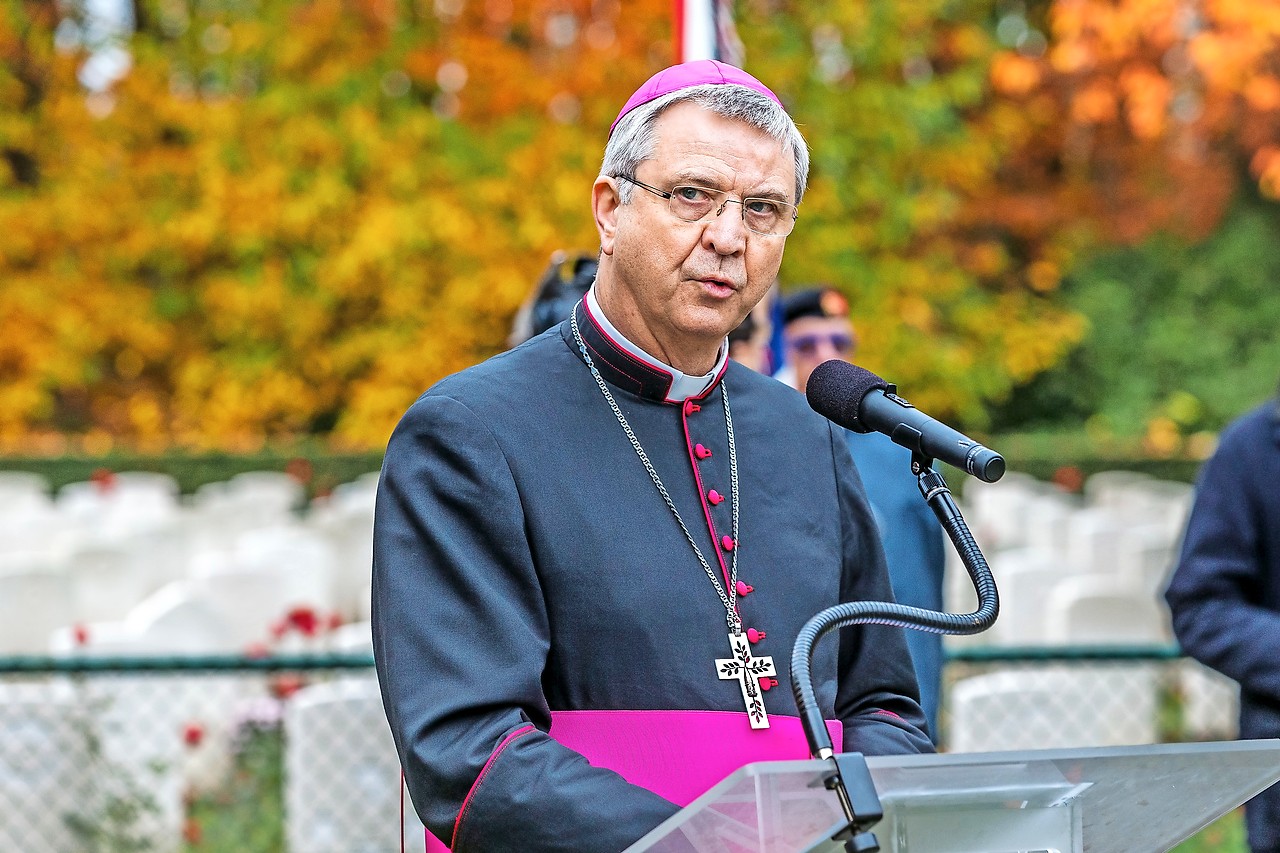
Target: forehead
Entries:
(695, 144)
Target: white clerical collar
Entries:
(683, 386)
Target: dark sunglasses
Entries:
(808, 344)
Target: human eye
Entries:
(691, 203)
(762, 207)
(695, 195)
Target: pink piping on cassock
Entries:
(621, 349)
(462, 812)
(655, 368)
(702, 498)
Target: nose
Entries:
(725, 234)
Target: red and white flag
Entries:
(705, 30)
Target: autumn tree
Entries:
(1148, 160)
(893, 97)
(290, 216)
(1135, 117)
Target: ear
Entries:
(604, 206)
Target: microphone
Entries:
(858, 400)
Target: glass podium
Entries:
(1091, 800)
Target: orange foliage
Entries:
(1154, 102)
(291, 220)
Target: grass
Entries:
(1226, 835)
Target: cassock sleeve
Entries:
(461, 638)
(1217, 589)
(877, 697)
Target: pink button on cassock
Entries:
(715, 497)
(726, 542)
(691, 407)
(745, 588)
(701, 451)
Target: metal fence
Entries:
(1039, 697)
(235, 754)
(197, 754)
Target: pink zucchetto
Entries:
(699, 72)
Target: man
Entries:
(1225, 590)
(612, 523)
(749, 342)
(816, 328)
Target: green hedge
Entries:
(327, 470)
(1180, 470)
(319, 470)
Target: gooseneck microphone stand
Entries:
(850, 779)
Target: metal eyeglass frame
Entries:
(724, 201)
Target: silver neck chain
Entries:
(728, 599)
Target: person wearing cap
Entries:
(816, 328)
(564, 281)
(1224, 591)
(750, 343)
(593, 552)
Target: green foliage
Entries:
(1178, 333)
(119, 812)
(318, 469)
(891, 96)
(247, 814)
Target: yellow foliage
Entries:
(300, 229)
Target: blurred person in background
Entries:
(562, 284)
(1224, 593)
(750, 342)
(816, 328)
(600, 528)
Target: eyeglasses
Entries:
(808, 344)
(766, 216)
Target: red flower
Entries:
(300, 469)
(192, 734)
(80, 633)
(103, 478)
(1070, 478)
(286, 684)
(304, 619)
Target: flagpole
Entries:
(695, 29)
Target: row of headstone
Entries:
(1077, 570)
(1074, 569)
(95, 554)
(343, 789)
(96, 764)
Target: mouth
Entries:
(717, 286)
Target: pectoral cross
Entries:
(748, 671)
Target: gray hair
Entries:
(634, 138)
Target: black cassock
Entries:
(525, 562)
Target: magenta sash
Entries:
(678, 755)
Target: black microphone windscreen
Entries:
(836, 389)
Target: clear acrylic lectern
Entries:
(1103, 800)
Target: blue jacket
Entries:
(914, 550)
(524, 563)
(1225, 591)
